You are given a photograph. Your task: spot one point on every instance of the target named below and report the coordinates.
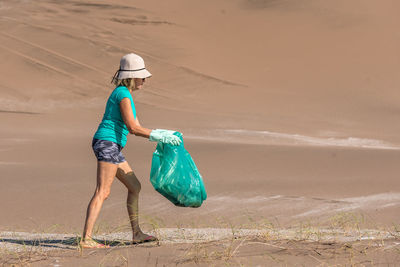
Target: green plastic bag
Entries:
(174, 175)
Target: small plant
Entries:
(348, 221)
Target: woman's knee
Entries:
(134, 185)
(130, 180)
(102, 193)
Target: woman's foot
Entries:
(90, 243)
(142, 238)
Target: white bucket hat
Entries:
(132, 66)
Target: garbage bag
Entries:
(175, 175)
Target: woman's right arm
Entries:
(164, 136)
(130, 122)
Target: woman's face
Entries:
(138, 83)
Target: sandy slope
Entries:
(289, 66)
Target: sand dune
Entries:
(290, 66)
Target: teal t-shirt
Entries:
(112, 127)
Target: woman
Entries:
(120, 119)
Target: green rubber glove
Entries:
(165, 136)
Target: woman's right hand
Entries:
(165, 136)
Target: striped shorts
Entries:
(107, 151)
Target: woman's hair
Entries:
(129, 82)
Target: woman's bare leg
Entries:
(105, 176)
(129, 179)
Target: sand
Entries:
(288, 108)
(207, 246)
